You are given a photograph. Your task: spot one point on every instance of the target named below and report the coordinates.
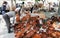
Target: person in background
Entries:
(17, 5)
(23, 4)
(31, 9)
(59, 9)
(0, 11)
(5, 7)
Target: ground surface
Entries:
(3, 30)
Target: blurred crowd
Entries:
(39, 6)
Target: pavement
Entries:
(3, 29)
